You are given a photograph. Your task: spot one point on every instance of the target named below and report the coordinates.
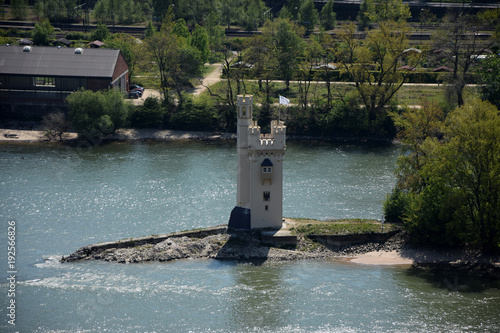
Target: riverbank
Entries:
(125, 134)
(248, 245)
(148, 134)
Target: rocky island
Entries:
(363, 242)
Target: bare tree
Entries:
(55, 124)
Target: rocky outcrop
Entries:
(214, 242)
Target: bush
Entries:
(194, 117)
(97, 114)
(77, 35)
(396, 205)
(149, 115)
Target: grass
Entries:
(407, 95)
(307, 227)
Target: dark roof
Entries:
(53, 61)
(267, 163)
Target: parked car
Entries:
(134, 94)
(139, 91)
(136, 87)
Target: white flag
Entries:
(284, 100)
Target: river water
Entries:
(61, 198)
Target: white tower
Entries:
(260, 172)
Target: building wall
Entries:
(120, 77)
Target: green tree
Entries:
(42, 33)
(150, 29)
(385, 10)
(96, 114)
(126, 44)
(308, 15)
(294, 7)
(490, 76)
(174, 59)
(19, 9)
(287, 46)
(148, 115)
(252, 14)
(363, 18)
(107, 10)
(372, 64)
(216, 35)
(199, 39)
(100, 33)
(230, 12)
(451, 193)
(181, 30)
(328, 16)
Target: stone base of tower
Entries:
(240, 218)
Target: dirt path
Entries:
(212, 78)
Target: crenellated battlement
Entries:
(273, 140)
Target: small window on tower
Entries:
(267, 170)
(244, 111)
(267, 196)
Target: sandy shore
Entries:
(125, 134)
(382, 258)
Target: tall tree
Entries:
(19, 9)
(285, 37)
(199, 40)
(458, 36)
(490, 76)
(382, 51)
(176, 61)
(328, 16)
(308, 15)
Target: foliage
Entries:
(148, 115)
(175, 60)
(287, 45)
(383, 10)
(309, 15)
(194, 116)
(101, 32)
(125, 12)
(126, 44)
(383, 50)
(58, 10)
(252, 15)
(77, 35)
(150, 29)
(449, 181)
(42, 33)
(490, 76)
(96, 114)
(199, 40)
(328, 16)
(19, 9)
